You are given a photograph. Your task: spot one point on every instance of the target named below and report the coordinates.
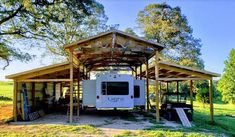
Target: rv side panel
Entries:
(89, 94)
(139, 92)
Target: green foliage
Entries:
(168, 26)
(202, 91)
(227, 82)
(130, 31)
(203, 95)
(56, 22)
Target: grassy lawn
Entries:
(162, 133)
(49, 130)
(6, 93)
(224, 122)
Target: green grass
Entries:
(223, 123)
(162, 133)
(6, 93)
(49, 130)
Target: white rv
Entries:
(113, 91)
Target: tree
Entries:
(226, 84)
(130, 31)
(54, 22)
(202, 90)
(168, 26)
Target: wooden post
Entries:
(147, 84)
(71, 86)
(211, 101)
(177, 90)
(135, 72)
(89, 75)
(86, 74)
(15, 101)
(157, 90)
(83, 72)
(22, 102)
(61, 89)
(160, 92)
(191, 93)
(167, 91)
(78, 109)
(33, 94)
(140, 72)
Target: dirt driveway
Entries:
(109, 123)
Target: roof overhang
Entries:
(118, 32)
(175, 72)
(58, 71)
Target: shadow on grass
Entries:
(3, 98)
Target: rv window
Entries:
(115, 88)
(103, 88)
(136, 91)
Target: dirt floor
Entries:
(6, 113)
(109, 123)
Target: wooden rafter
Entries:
(119, 33)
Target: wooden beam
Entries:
(180, 79)
(14, 76)
(78, 108)
(33, 95)
(112, 60)
(181, 70)
(140, 72)
(191, 94)
(15, 101)
(177, 90)
(135, 72)
(160, 92)
(43, 80)
(71, 87)
(43, 72)
(115, 54)
(93, 68)
(157, 84)
(83, 72)
(147, 84)
(112, 69)
(211, 101)
(167, 90)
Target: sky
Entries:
(213, 21)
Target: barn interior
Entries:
(58, 87)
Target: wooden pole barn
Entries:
(114, 50)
